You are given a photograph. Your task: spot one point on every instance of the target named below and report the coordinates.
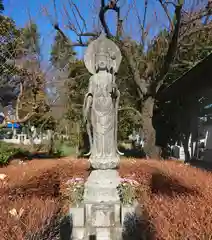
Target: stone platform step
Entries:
(102, 221)
(96, 215)
(99, 233)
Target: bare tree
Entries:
(35, 80)
(149, 69)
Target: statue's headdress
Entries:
(102, 46)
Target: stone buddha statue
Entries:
(102, 59)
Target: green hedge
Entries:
(9, 151)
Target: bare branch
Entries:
(140, 22)
(133, 68)
(29, 115)
(80, 33)
(204, 13)
(80, 15)
(74, 44)
(112, 5)
(55, 11)
(171, 3)
(163, 5)
(45, 11)
(144, 21)
(90, 34)
(171, 49)
(194, 31)
(76, 20)
(55, 24)
(71, 26)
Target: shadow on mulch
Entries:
(135, 228)
(162, 184)
(138, 227)
(205, 165)
(66, 228)
(57, 228)
(44, 155)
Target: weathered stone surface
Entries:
(103, 234)
(88, 211)
(101, 187)
(116, 233)
(102, 59)
(110, 162)
(109, 233)
(95, 46)
(102, 209)
(97, 216)
(90, 233)
(78, 216)
(116, 208)
(103, 215)
(117, 211)
(78, 233)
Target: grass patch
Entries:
(10, 151)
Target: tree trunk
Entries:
(51, 143)
(148, 130)
(186, 148)
(84, 144)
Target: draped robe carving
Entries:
(102, 111)
(101, 103)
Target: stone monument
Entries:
(101, 211)
(102, 59)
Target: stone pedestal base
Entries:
(104, 162)
(101, 215)
(101, 186)
(104, 221)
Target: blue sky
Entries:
(19, 11)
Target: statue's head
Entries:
(102, 55)
(103, 60)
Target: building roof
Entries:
(193, 81)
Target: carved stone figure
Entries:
(102, 59)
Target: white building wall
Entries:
(208, 143)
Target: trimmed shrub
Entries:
(9, 151)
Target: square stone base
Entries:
(104, 221)
(97, 233)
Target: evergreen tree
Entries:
(1, 6)
(62, 52)
(9, 37)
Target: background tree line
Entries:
(147, 68)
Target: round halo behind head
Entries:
(104, 48)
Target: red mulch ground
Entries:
(177, 198)
(34, 187)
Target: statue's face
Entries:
(102, 62)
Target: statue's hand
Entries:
(85, 118)
(113, 91)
